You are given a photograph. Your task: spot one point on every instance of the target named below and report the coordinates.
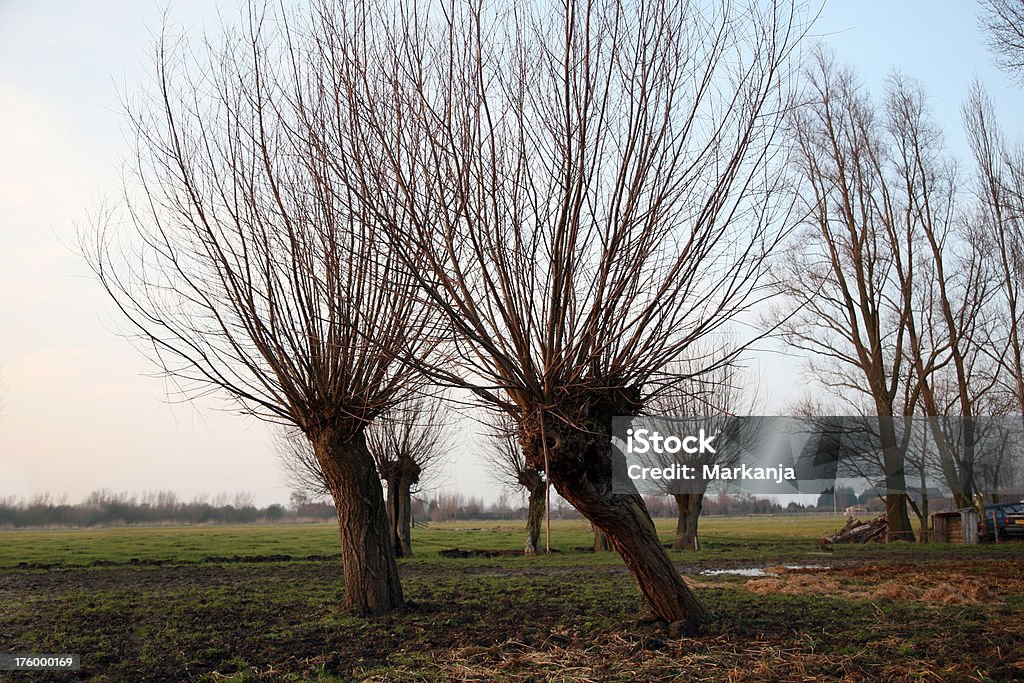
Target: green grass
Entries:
(724, 539)
(181, 544)
(205, 615)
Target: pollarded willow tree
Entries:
(585, 189)
(712, 399)
(407, 443)
(508, 467)
(245, 271)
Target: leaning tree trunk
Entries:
(372, 585)
(581, 472)
(689, 506)
(534, 483)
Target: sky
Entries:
(80, 409)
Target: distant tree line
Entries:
(449, 506)
(106, 508)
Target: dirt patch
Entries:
(891, 590)
(634, 656)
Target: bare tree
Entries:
(850, 269)
(298, 462)
(589, 188)
(714, 398)
(901, 302)
(950, 332)
(1003, 21)
(508, 466)
(407, 443)
(1000, 191)
(245, 269)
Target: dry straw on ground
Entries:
(937, 587)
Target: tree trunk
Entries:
(581, 471)
(922, 481)
(979, 505)
(400, 476)
(403, 519)
(894, 461)
(535, 516)
(689, 506)
(630, 530)
(372, 585)
(600, 541)
(391, 508)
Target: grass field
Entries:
(262, 603)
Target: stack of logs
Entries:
(857, 531)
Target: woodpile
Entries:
(857, 531)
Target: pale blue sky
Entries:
(78, 414)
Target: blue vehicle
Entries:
(1008, 518)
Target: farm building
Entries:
(964, 526)
(955, 526)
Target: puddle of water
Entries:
(751, 571)
(755, 572)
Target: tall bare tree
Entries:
(1000, 191)
(245, 270)
(589, 187)
(949, 331)
(901, 302)
(850, 269)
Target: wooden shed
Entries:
(958, 526)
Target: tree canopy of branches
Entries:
(1003, 21)
(1000, 192)
(587, 189)
(244, 268)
